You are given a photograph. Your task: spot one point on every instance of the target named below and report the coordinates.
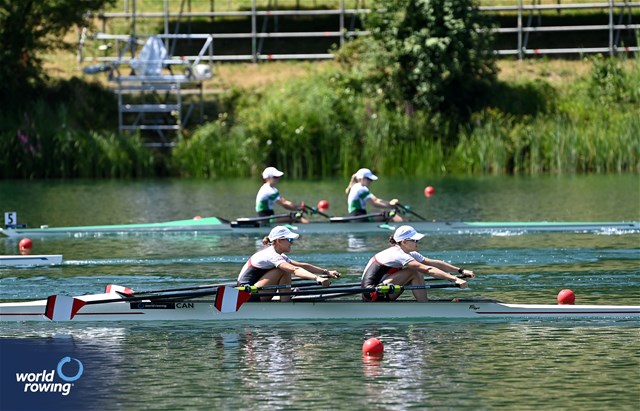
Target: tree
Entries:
(433, 55)
(29, 28)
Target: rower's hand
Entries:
(467, 274)
(461, 283)
(325, 282)
(394, 202)
(333, 274)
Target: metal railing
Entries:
(523, 30)
(527, 18)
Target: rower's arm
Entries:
(316, 270)
(436, 273)
(303, 273)
(443, 265)
(289, 205)
(380, 203)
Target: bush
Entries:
(431, 55)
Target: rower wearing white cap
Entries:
(402, 264)
(271, 266)
(359, 195)
(269, 194)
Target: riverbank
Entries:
(547, 116)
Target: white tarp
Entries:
(149, 61)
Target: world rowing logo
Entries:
(43, 382)
(64, 377)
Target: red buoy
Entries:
(197, 217)
(429, 191)
(323, 205)
(567, 297)
(373, 348)
(25, 244)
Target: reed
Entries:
(595, 127)
(46, 146)
(323, 125)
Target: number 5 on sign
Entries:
(10, 218)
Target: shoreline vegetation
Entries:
(313, 120)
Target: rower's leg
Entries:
(275, 276)
(407, 277)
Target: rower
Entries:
(359, 195)
(402, 264)
(269, 194)
(271, 266)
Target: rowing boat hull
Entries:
(29, 260)
(208, 224)
(317, 311)
(214, 225)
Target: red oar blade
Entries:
(112, 288)
(230, 299)
(62, 307)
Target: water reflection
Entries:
(356, 243)
(295, 365)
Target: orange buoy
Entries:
(373, 348)
(567, 297)
(429, 191)
(323, 205)
(25, 244)
(197, 217)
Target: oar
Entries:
(190, 288)
(64, 308)
(409, 210)
(462, 276)
(313, 210)
(168, 290)
(320, 287)
(200, 287)
(383, 289)
(229, 299)
(358, 218)
(265, 218)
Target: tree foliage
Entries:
(29, 28)
(433, 55)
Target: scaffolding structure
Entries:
(534, 24)
(160, 94)
(165, 103)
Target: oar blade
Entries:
(230, 299)
(112, 289)
(62, 307)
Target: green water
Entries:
(529, 365)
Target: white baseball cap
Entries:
(271, 172)
(280, 231)
(406, 232)
(365, 173)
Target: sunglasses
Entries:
(415, 241)
(290, 240)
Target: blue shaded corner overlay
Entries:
(50, 373)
